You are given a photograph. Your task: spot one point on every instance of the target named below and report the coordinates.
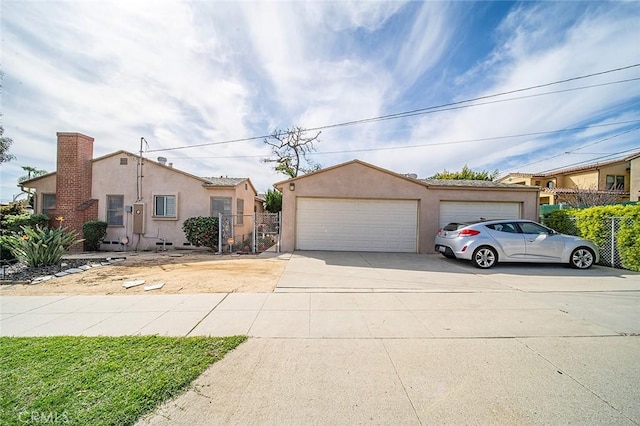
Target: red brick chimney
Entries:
(73, 183)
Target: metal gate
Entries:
(254, 233)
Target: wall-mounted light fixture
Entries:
(292, 186)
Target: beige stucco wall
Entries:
(356, 180)
(192, 199)
(619, 169)
(634, 180)
(112, 178)
(517, 180)
(584, 180)
(43, 185)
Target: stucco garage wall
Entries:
(528, 200)
(352, 180)
(357, 180)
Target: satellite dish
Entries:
(162, 160)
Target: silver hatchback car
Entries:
(486, 243)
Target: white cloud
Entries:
(189, 73)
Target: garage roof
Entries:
(426, 182)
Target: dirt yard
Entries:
(180, 273)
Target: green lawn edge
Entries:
(99, 380)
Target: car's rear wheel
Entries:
(582, 258)
(484, 257)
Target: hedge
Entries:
(594, 224)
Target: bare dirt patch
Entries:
(184, 273)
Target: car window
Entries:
(503, 227)
(532, 228)
(454, 226)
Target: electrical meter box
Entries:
(138, 218)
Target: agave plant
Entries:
(40, 246)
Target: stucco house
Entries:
(619, 179)
(144, 202)
(356, 206)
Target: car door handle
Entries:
(531, 240)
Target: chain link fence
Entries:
(254, 233)
(606, 238)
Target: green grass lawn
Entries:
(98, 380)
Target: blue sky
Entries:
(191, 73)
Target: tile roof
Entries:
(222, 181)
(471, 183)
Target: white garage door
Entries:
(356, 225)
(462, 211)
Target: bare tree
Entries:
(589, 197)
(290, 148)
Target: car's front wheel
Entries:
(484, 257)
(582, 258)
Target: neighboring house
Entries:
(616, 179)
(356, 206)
(144, 202)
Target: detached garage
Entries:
(356, 206)
(356, 224)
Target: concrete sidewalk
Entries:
(396, 340)
(321, 315)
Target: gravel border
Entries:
(20, 273)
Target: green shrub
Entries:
(13, 223)
(12, 217)
(561, 221)
(202, 231)
(629, 242)
(595, 224)
(93, 232)
(40, 246)
(273, 201)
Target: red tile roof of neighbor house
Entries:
(558, 171)
(574, 190)
(586, 166)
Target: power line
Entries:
(419, 111)
(438, 143)
(615, 154)
(577, 149)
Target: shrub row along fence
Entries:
(607, 241)
(614, 229)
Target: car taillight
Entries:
(468, 233)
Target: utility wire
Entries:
(577, 149)
(439, 143)
(418, 111)
(592, 160)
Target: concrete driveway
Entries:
(372, 338)
(401, 272)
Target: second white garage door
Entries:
(356, 225)
(463, 211)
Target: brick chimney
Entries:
(73, 183)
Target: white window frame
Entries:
(111, 211)
(165, 206)
(227, 203)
